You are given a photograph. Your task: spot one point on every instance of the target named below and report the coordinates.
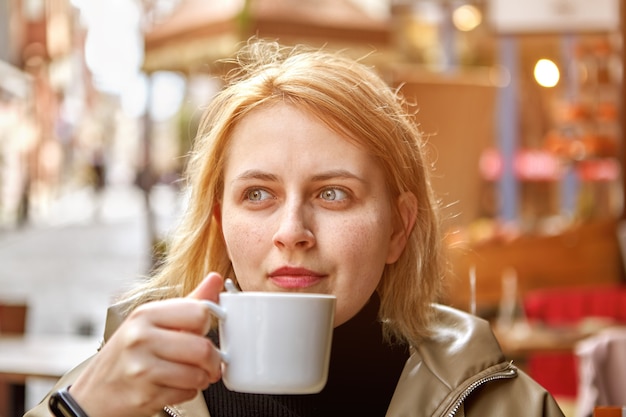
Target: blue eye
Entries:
(333, 194)
(257, 194)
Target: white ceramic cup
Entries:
(274, 342)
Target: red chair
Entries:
(558, 372)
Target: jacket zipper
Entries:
(509, 372)
(170, 412)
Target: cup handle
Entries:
(220, 313)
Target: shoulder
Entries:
(461, 338)
(460, 347)
(462, 365)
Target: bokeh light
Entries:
(466, 17)
(546, 73)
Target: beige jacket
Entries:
(461, 372)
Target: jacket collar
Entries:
(442, 369)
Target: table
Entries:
(37, 356)
(523, 338)
(42, 356)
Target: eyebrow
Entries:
(338, 173)
(256, 174)
(325, 176)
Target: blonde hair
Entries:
(352, 100)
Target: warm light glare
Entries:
(466, 17)
(114, 48)
(546, 73)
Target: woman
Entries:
(308, 174)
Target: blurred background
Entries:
(521, 104)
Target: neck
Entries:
(362, 360)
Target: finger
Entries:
(209, 288)
(178, 376)
(183, 314)
(188, 348)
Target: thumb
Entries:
(209, 288)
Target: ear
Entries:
(217, 213)
(407, 209)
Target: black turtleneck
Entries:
(363, 374)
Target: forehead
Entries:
(288, 126)
(286, 139)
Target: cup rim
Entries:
(278, 294)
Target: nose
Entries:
(294, 231)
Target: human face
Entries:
(305, 210)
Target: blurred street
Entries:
(71, 262)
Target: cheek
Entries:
(240, 237)
(367, 240)
(362, 249)
(364, 254)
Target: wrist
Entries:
(62, 404)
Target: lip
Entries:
(295, 277)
